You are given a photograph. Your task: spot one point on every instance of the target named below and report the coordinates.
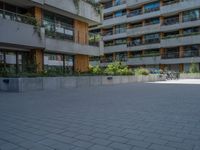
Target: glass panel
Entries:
(11, 62)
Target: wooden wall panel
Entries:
(81, 32)
(81, 62)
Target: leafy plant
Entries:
(141, 71)
(194, 68)
(117, 68)
(96, 70)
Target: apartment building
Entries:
(42, 34)
(156, 34)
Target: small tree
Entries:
(194, 68)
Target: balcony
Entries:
(150, 60)
(174, 57)
(21, 30)
(139, 45)
(115, 48)
(180, 6)
(85, 11)
(181, 40)
(143, 30)
(180, 25)
(110, 35)
(114, 8)
(134, 3)
(114, 21)
(67, 46)
(142, 16)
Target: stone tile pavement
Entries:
(141, 116)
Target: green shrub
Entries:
(117, 68)
(141, 71)
(194, 68)
(96, 70)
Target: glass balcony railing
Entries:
(58, 31)
(185, 54)
(181, 35)
(135, 13)
(140, 42)
(27, 19)
(171, 21)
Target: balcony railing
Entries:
(135, 13)
(181, 35)
(116, 31)
(145, 55)
(170, 55)
(58, 31)
(109, 5)
(138, 43)
(170, 2)
(185, 54)
(27, 19)
(171, 21)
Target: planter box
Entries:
(53, 83)
(190, 76)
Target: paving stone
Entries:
(139, 116)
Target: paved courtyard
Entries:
(141, 116)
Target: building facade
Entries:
(156, 34)
(42, 34)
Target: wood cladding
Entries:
(81, 62)
(39, 60)
(81, 32)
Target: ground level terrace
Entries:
(139, 116)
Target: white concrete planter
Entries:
(53, 83)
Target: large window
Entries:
(152, 38)
(16, 61)
(152, 7)
(58, 62)
(120, 28)
(191, 15)
(58, 26)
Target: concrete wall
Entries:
(68, 46)
(185, 40)
(20, 34)
(86, 11)
(190, 76)
(53, 83)
(115, 48)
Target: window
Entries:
(191, 30)
(171, 34)
(191, 15)
(119, 13)
(152, 21)
(120, 28)
(59, 26)
(120, 41)
(152, 38)
(171, 20)
(121, 56)
(152, 7)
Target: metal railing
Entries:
(171, 21)
(138, 43)
(185, 54)
(27, 19)
(181, 35)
